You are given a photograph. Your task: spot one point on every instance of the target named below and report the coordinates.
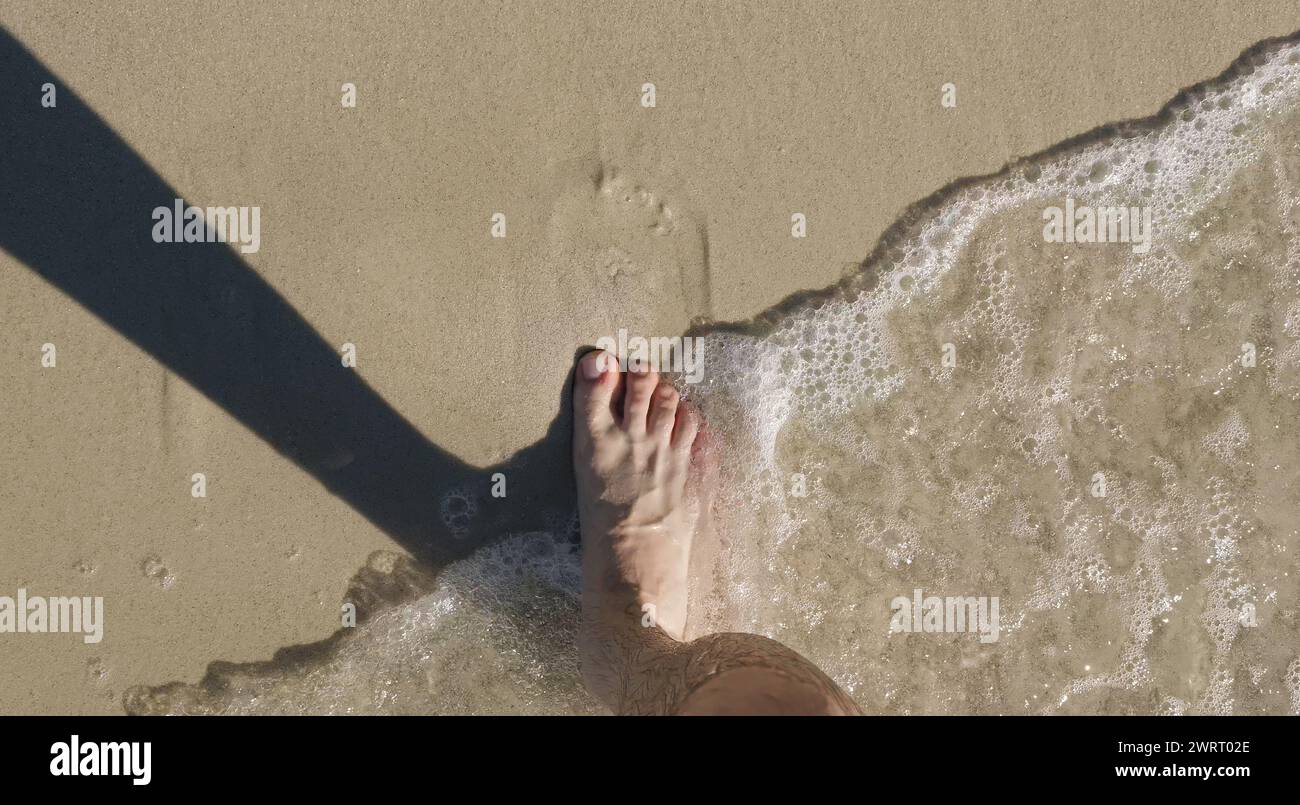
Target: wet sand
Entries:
(375, 227)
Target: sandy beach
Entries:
(377, 228)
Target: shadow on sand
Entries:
(77, 211)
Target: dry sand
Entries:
(376, 228)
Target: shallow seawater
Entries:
(1103, 437)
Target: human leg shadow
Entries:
(77, 211)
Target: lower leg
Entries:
(638, 670)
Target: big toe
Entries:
(595, 388)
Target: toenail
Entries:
(593, 367)
(666, 392)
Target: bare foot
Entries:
(638, 504)
(645, 481)
(632, 450)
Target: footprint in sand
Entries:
(627, 257)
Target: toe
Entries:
(595, 386)
(641, 385)
(663, 413)
(685, 428)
